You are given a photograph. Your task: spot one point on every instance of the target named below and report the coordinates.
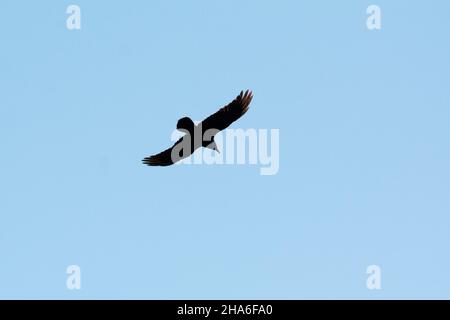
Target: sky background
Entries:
(364, 150)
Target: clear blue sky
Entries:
(364, 149)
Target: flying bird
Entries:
(202, 134)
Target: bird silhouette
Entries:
(202, 134)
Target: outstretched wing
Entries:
(230, 113)
(163, 158)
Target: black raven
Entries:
(201, 135)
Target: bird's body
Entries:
(202, 134)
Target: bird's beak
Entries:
(217, 149)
